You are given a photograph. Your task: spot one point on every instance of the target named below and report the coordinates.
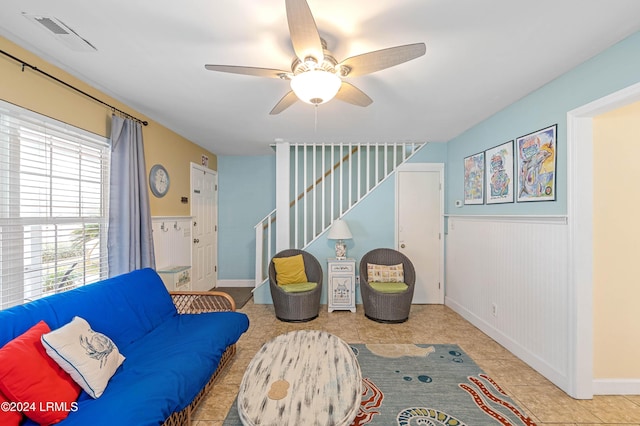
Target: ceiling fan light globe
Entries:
(316, 87)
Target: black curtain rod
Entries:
(25, 64)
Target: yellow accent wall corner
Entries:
(616, 232)
(36, 92)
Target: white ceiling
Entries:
(482, 55)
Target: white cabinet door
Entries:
(341, 280)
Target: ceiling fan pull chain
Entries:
(315, 124)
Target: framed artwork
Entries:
(499, 173)
(474, 179)
(537, 165)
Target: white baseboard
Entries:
(616, 386)
(600, 386)
(511, 345)
(236, 283)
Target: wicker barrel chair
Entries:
(387, 307)
(297, 307)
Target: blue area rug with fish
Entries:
(425, 385)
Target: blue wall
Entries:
(614, 69)
(431, 153)
(246, 194)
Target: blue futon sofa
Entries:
(174, 345)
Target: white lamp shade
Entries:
(339, 231)
(315, 87)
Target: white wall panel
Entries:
(172, 241)
(517, 264)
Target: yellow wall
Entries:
(616, 230)
(36, 92)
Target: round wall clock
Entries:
(159, 180)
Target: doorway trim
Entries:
(580, 213)
(425, 167)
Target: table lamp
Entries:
(340, 231)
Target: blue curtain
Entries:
(130, 240)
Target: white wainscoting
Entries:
(508, 275)
(171, 240)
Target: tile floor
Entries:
(540, 399)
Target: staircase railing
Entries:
(265, 245)
(326, 181)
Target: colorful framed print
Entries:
(474, 179)
(499, 173)
(537, 153)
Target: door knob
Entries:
(402, 245)
(196, 241)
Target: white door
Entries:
(420, 227)
(204, 211)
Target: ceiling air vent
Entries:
(63, 33)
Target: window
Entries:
(53, 206)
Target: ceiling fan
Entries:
(316, 77)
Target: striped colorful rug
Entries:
(430, 385)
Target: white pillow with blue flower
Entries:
(90, 358)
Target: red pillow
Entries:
(9, 416)
(30, 377)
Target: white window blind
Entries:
(54, 181)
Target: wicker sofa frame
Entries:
(187, 302)
(387, 307)
(297, 307)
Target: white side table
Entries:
(176, 277)
(341, 281)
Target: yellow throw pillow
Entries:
(385, 273)
(290, 270)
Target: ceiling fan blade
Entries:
(351, 94)
(303, 30)
(254, 71)
(381, 59)
(284, 103)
